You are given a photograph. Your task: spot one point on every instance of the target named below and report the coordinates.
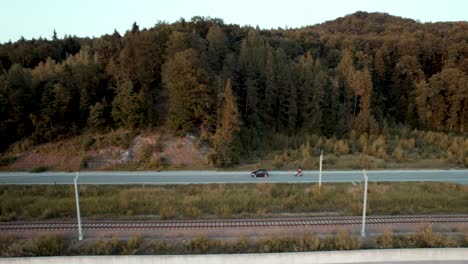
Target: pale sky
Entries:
(36, 18)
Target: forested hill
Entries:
(235, 86)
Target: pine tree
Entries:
(97, 115)
(226, 139)
(191, 98)
(362, 85)
(217, 46)
(313, 81)
(126, 110)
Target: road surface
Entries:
(207, 177)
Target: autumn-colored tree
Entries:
(217, 46)
(191, 102)
(226, 140)
(126, 110)
(362, 85)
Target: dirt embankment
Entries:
(148, 150)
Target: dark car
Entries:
(260, 173)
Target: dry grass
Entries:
(119, 149)
(56, 245)
(157, 150)
(232, 200)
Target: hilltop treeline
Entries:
(237, 86)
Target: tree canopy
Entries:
(236, 85)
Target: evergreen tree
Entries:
(191, 99)
(20, 94)
(226, 139)
(217, 46)
(362, 85)
(97, 115)
(126, 110)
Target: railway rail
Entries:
(232, 223)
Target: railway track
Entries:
(233, 223)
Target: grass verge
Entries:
(227, 201)
(57, 245)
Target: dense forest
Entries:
(236, 86)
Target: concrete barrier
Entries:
(455, 255)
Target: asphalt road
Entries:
(206, 177)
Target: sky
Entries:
(39, 18)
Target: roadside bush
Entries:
(399, 154)
(427, 239)
(241, 246)
(386, 240)
(39, 169)
(344, 240)
(88, 142)
(4, 161)
(200, 245)
(167, 212)
(341, 147)
(132, 246)
(158, 161)
(11, 246)
(223, 211)
(53, 245)
(109, 247)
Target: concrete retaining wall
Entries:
(460, 255)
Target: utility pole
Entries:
(364, 206)
(77, 198)
(320, 170)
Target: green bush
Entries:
(4, 161)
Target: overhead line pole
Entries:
(364, 206)
(77, 198)
(320, 170)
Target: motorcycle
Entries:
(298, 174)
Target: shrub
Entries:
(88, 142)
(54, 245)
(399, 154)
(223, 211)
(199, 245)
(193, 212)
(132, 246)
(378, 147)
(341, 147)
(112, 247)
(167, 212)
(159, 162)
(428, 239)
(4, 161)
(241, 246)
(344, 240)
(386, 240)
(39, 169)
(278, 162)
(84, 162)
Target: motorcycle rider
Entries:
(299, 172)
